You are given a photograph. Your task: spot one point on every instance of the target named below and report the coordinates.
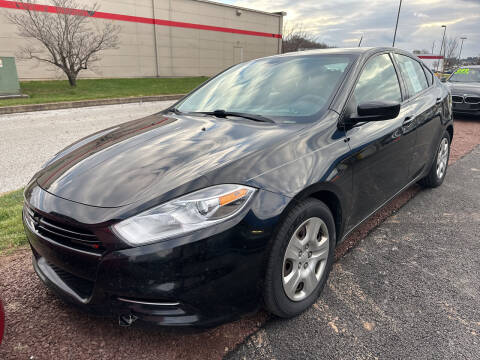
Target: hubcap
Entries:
(442, 158)
(305, 259)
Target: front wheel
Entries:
(438, 170)
(300, 259)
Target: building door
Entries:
(237, 54)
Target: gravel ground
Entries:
(409, 290)
(40, 325)
(30, 139)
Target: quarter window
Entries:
(378, 82)
(429, 75)
(413, 74)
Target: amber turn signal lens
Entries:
(227, 199)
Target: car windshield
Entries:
(465, 75)
(290, 89)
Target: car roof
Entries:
(341, 51)
(357, 50)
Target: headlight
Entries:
(183, 215)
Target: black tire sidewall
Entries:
(276, 299)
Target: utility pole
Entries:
(433, 46)
(396, 25)
(442, 46)
(461, 47)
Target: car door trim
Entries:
(378, 208)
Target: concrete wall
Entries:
(180, 51)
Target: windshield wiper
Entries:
(224, 114)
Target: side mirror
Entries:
(443, 79)
(377, 111)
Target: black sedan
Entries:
(238, 194)
(464, 85)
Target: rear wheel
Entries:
(300, 259)
(439, 167)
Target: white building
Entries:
(165, 38)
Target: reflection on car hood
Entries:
(118, 166)
(462, 88)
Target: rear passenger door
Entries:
(423, 108)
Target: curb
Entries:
(85, 103)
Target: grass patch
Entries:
(12, 235)
(41, 92)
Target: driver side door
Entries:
(381, 151)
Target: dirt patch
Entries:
(466, 136)
(40, 326)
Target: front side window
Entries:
(286, 89)
(465, 75)
(413, 74)
(378, 82)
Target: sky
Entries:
(342, 22)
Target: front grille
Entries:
(65, 234)
(472, 100)
(457, 99)
(81, 286)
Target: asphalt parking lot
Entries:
(407, 290)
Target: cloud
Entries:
(420, 15)
(340, 22)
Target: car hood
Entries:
(462, 88)
(151, 156)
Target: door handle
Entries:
(408, 120)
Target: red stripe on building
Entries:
(430, 57)
(137, 19)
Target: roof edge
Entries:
(276, 13)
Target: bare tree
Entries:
(67, 38)
(296, 38)
(451, 46)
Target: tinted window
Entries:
(413, 73)
(289, 89)
(378, 81)
(429, 75)
(465, 75)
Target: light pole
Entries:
(396, 25)
(442, 47)
(433, 46)
(461, 47)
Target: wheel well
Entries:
(450, 132)
(333, 203)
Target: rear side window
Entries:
(378, 82)
(413, 74)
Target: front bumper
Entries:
(176, 283)
(465, 108)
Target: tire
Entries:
(435, 177)
(299, 261)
